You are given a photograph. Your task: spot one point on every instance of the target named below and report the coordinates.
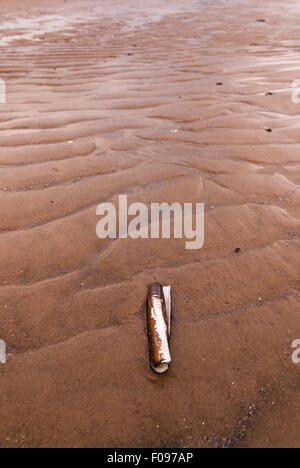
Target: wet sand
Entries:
(94, 94)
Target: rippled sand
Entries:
(94, 94)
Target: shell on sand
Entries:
(159, 326)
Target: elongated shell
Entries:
(159, 326)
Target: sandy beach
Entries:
(165, 101)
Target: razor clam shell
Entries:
(158, 322)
